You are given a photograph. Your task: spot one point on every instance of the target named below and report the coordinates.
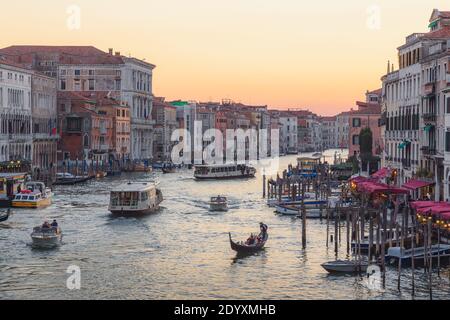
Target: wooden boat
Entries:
(135, 199)
(341, 266)
(218, 203)
(46, 238)
(395, 254)
(287, 200)
(390, 237)
(4, 215)
(36, 195)
(242, 248)
(216, 172)
(66, 178)
(312, 208)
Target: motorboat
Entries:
(345, 266)
(312, 208)
(66, 178)
(4, 215)
(395, 254)
(35, 195)
(135, 198)
(46, 238)
(215, 172)
(218, 203)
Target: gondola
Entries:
(4, 215)
(242, 248)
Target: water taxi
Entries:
(65, 178)
(35, 195)
(10, 185)
(218, 203)
(46, 238)
(135, 198)
(226, 171)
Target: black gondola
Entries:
(4, 216)
(248, 249)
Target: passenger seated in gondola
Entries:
(251, 241)
(46, 225)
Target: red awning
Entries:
(422, 204)
(375, 187)
(417, 184)
(382, 173)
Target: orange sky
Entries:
(320, 55)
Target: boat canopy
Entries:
(415, 184)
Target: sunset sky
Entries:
(320, 55)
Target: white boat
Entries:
(287, 200)
(312, 208)
(341, 266)
(218, 203)
(46, 238)
(227, 171)
(395, 254)
(35, 195)
(135, 198)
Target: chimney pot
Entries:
(111, 51)
(117, 53)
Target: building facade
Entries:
(44, 117)
(88, 69)
(16, 138)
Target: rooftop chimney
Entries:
(117, 53)
(111, 51)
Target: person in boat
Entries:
(263, 227)
(46, 225)
(54, 224)
(250, 241)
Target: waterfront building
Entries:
(367, 115)
(16, 137)
(86, 131)
(414, 105)
(85, 68)
(288, 133)
(165, 117)
(44, 128)
(329, 132)
(342, 128)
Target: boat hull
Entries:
(244, 176)
(46, 242)
(344, 267)
(32, 204)
(218, 207)
(245, 249)
(4, 216)
(130, 212)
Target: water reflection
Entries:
(182, 251)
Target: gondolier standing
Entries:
(263, 228)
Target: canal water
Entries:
(181, 252)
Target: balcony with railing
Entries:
(429, 118)
(429, 151)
